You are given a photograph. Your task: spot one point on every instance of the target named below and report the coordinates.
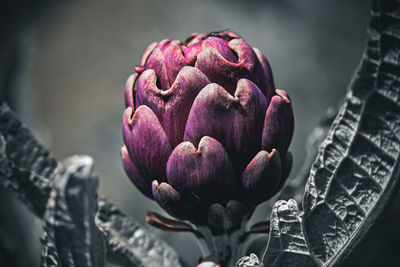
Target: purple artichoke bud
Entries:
(206, 133)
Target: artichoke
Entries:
(206, 133)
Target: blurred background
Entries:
(63, 68)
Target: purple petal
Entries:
(196, 45)
(221, 46)
(149, 94)
(129, 91)
(194, 38)
(147, 53)
(172, 106)
(278, 124)
(227, 35)
(235, 121)
(174, 60)
(156, 62)
(134, 174)
(147, 142)
(126, 125)
(261, 177)
(173, 203)
(191, 53)
(256, 72)
(269, 79)
(205, 172)
(220, 70)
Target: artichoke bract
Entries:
(206, 133)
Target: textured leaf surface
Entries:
(249, 261)
(356, 171)
(129, 244)
(286, 244)
(71, 237)
(294, 187)
(26, 167)
(63, 196)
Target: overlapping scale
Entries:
(209, 137)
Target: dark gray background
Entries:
(77, 56)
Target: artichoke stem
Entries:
(223, 248)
